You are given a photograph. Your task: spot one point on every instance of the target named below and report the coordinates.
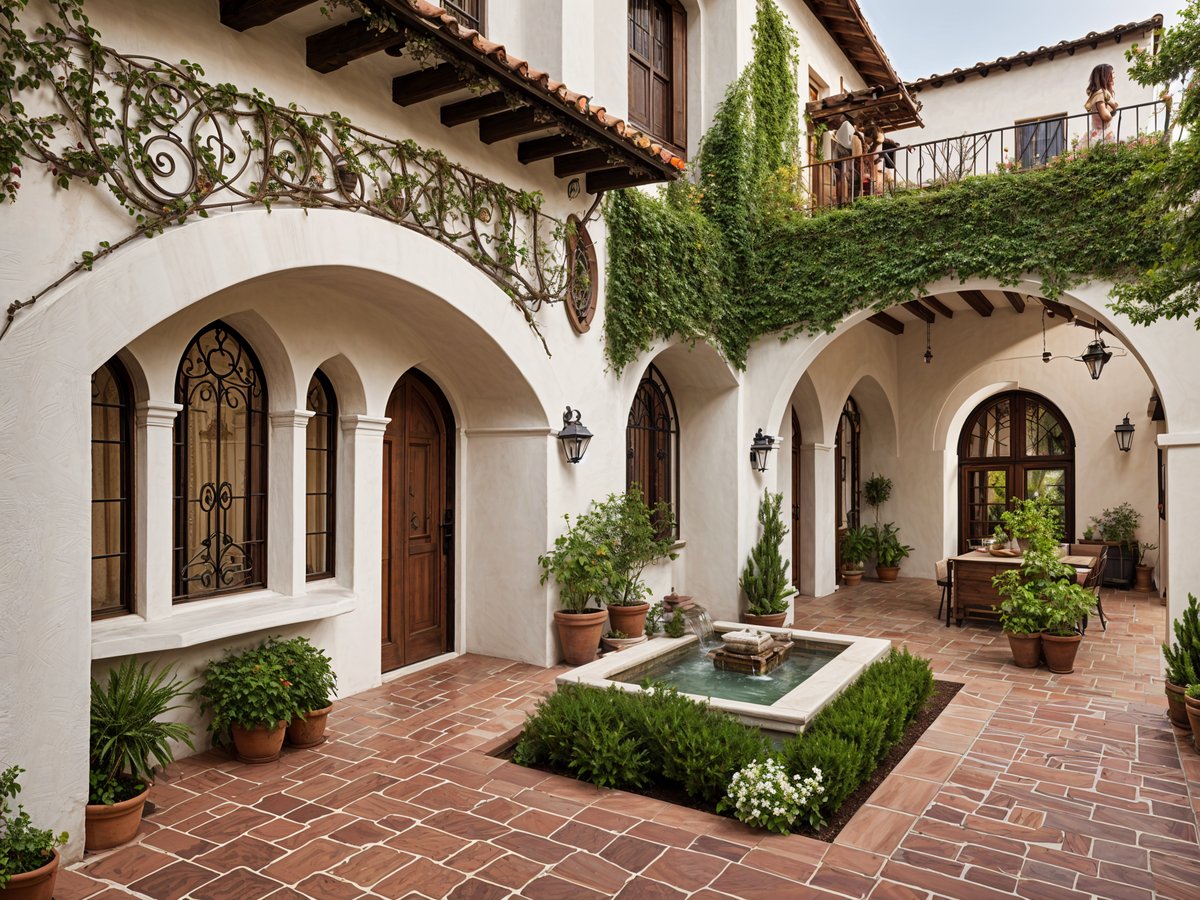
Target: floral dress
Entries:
(1101, 130)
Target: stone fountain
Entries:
(751, 652)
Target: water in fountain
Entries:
(701, 625)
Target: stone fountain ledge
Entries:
(791, 713)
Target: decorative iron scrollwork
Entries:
(583, 276)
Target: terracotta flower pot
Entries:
(1143, 579)
(109, 825)
(1193, 714)
(621, 643)
(1176, 707)
(887, 573)
(774, 620)
(308, 731)
(629, 619)
(580, 634)
(852, 579)
(258, 745)
(1060, 651)
(35, 885)
(1026, 649)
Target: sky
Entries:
(923, 37)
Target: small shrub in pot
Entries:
(312, 683)
(764, 579)
(28, 855)
(250, 699)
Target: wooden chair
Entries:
(941, 569)
(1097, 580)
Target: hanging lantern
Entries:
(1095, 358)
(574, 436)
(761, 449)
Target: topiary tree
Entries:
(765, 579)
(1183, 660)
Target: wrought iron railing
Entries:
(1027, 145)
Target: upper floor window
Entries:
(1040, 140)
(469, 12)
(658, 70)
(652, 443)
(220, 467)
(112, 483)
(320, 472)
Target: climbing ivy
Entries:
(735, 256)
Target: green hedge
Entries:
(631, 740)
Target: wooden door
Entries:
(417, 524)
(795, 499)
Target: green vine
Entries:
(736, 256)
(170, 147)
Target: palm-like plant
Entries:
(127, 738)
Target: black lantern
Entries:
(574, 436)
(761, 449)
(1095, 357)
(1124, 433)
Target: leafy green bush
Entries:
(625, 739)
(847, 739)
(889, 552)
(857, 546)
(675, 627)
(308, 669)
(23, 848)
(249, 689)
(126, 737)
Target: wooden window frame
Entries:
(1017, 462)
(124, 383)
(328, 569)
(676, 140)
(664, 441)
(257, 458)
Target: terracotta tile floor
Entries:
(1029, 784)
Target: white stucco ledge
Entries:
(214, 620)
(1178, 440)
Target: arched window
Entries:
(847, 477)
(320, 475)
(1016, 444)
(112, 484)
(652, 443)
(220, 467)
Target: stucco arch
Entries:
(809, 413)
(347, 385)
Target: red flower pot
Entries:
(580, 635)
(1026, 649)
(629, 620)
(308, 731)
(1176, 707)
(112, 824)
(35, 885)
(258, 745)
(1060, 651)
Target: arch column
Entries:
(1181, 562)
(286, 501)
(154, 520)
(818, 563)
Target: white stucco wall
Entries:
(1049, 87)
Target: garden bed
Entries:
(670, 748)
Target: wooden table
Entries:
(972, 574)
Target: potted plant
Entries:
(619, 640)
(312, 684)
(1143, 574)
(1183, 662)
(1066, 604)
(857, 546)
(250, 699)
(1022, 616)
(28, 855)
(1192, 700)
(127, 741)
(764, 579)
(635, 536)
(877, 490)
(1118, 527)
(889, 552)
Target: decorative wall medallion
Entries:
(582, 276)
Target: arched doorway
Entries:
(846, 476)
(418, 523)
(1015, 444)
(652, 443)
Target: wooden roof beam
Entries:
(425, 84)
(329, 50)
(887, 323)
(582, 162)
(615, 179)
(915, 307)
(547, 147)
(476, 108)
(1015, 300)
(1058, 309)
(514, 123)
(243, 14)
(938, 306)
(978, 302)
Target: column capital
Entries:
(157, 413)
(290, 418)
(1179, 439)
(364, 424)
(814, 448)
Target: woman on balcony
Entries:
(1101, 103)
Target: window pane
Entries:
(1044, 435)
(319, 477)
(111, 479)
(651, 436)
(991, 435)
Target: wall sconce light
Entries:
(928, 343)
(1124, 433)
(1095, 357)
(761, 449)
(574, 436)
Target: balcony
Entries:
(1013, 148)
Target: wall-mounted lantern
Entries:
(1095, 357)
(574, 436)
(1124, 433)
(761, 449)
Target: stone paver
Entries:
(1028, 785)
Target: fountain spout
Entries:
(698, 620)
